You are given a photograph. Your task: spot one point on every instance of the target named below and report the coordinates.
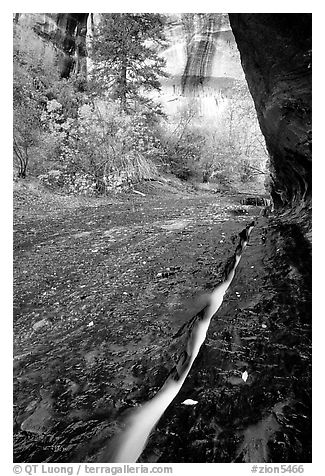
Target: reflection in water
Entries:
(129, 444)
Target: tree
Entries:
(124, 51)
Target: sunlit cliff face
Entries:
(202, 61)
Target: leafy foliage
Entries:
(112, 147)
(64, 129)
(32, 72)
(230, 151)
(41, 101)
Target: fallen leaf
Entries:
(189, 401)
(244, 376)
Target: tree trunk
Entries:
(123, 85)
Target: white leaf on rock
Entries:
(244, 376)
(189, 401)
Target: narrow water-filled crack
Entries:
(127, 446)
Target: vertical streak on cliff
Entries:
(67, 32)
(70, 38)
(80, 42)
(199, 53)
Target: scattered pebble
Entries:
(39, 324)
(264, 326)
(31, 406)
(91, 323)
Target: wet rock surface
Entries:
(98, 276)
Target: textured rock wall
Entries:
(275, 53)
(70, 36)
(67, 32)
(202, 58)
(203, 64)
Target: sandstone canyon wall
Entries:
(202, 61)
(275, 52)
(67, 32)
